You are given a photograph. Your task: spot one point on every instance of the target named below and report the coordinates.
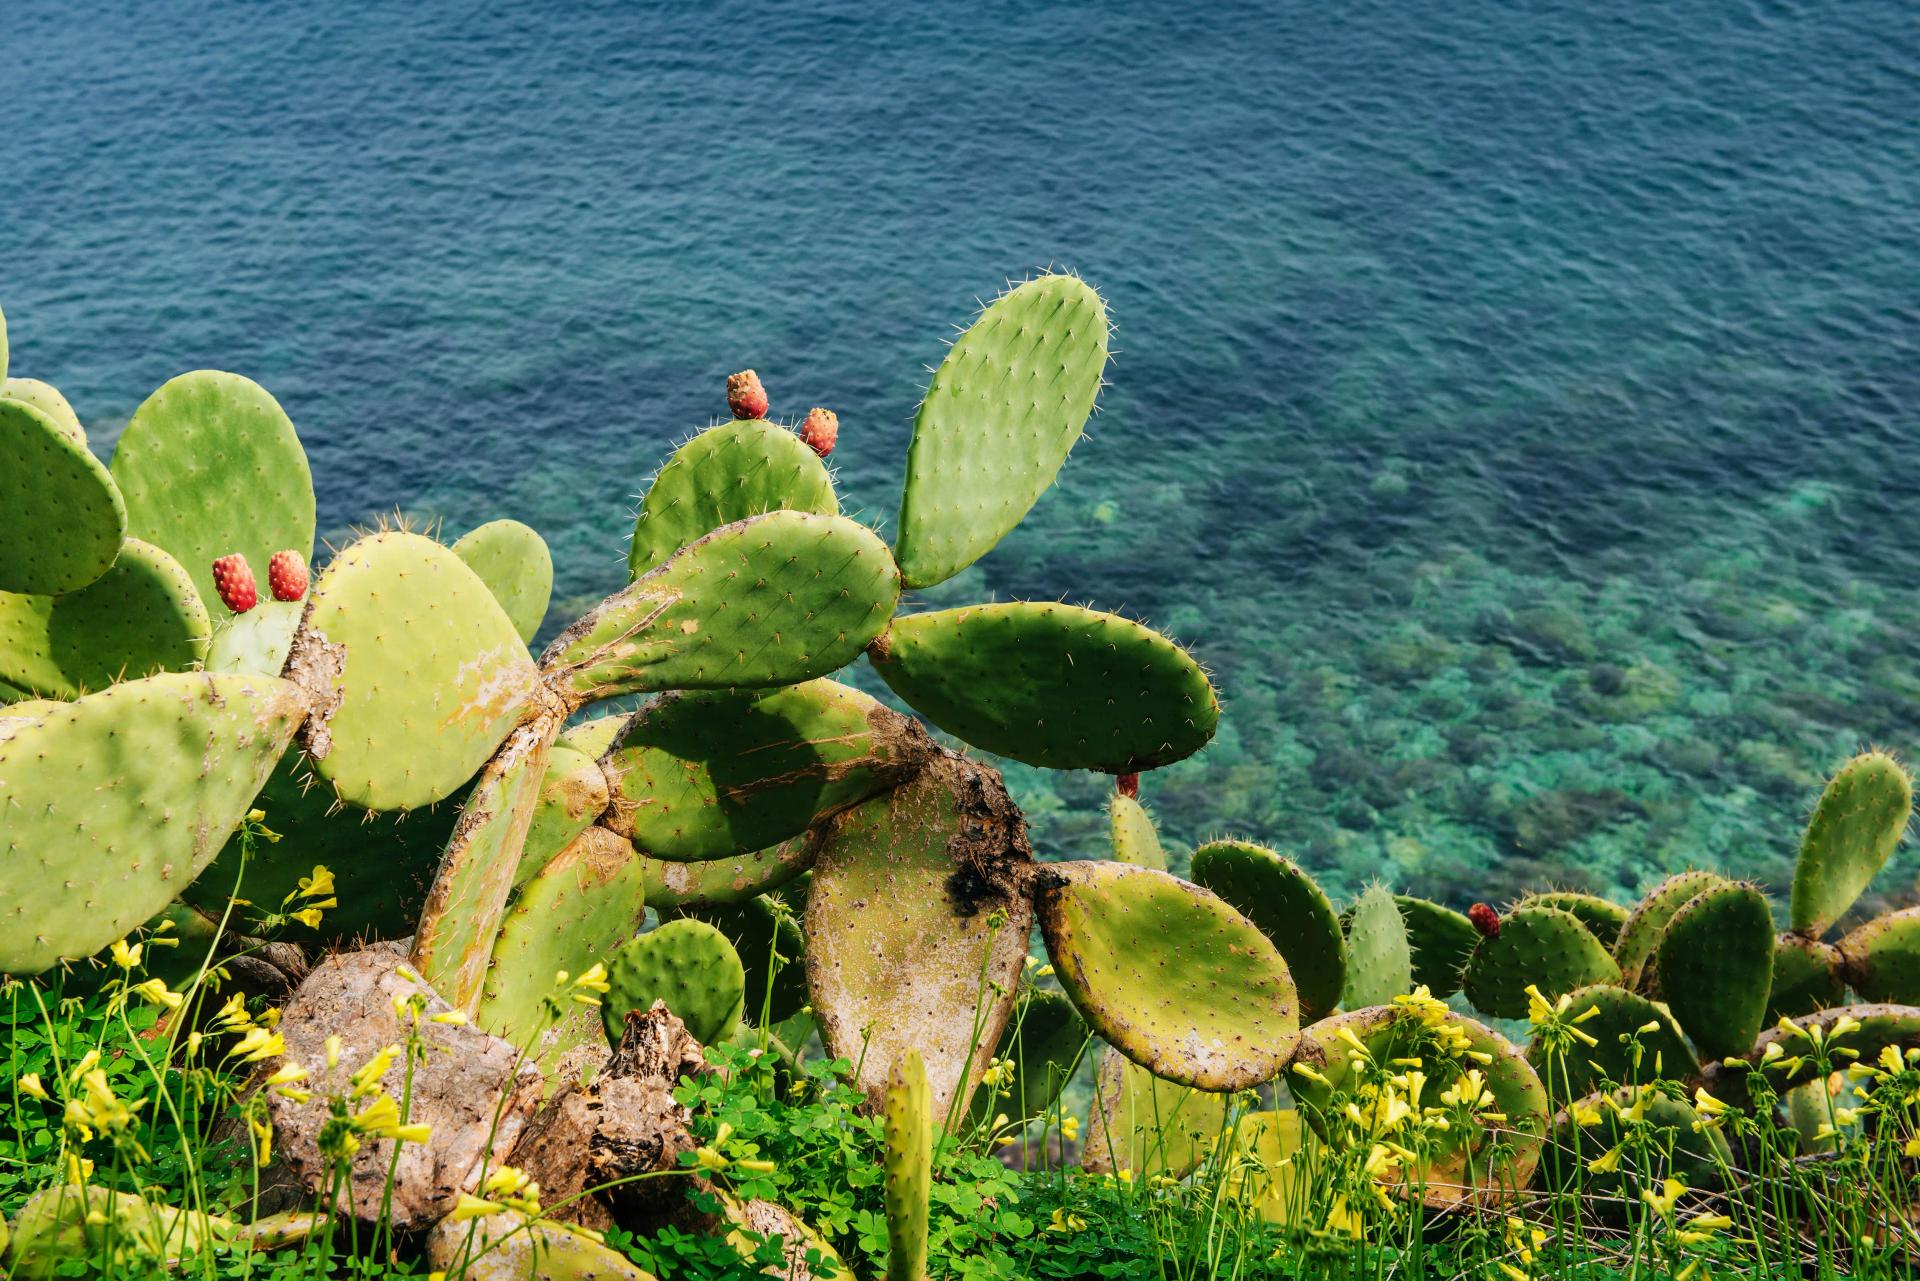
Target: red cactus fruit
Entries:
(287, 575)
(233, 579)
(1128, 785)
(1485, 919)
(821, 429)
(745, 396)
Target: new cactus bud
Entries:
(1485, 920)
(909, 1168)
(745, 396)
(1128, 785)
(820, 430)
(233, 579)
(287, 575)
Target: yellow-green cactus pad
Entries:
(1881, 959)
(61, 516)
(1141, 1123)
(111, 805)
(1052, 685)
(772, 952)
(1379, 954)
(729, 880)
(594, 736)
(1543, 947)
(1859, 820)
(572, 795)
(1168, 974)
(1718, 953)
(1002, 413)
(140, 617)
(1618, 1023)
(1806, 977)
(719, 773)
(416, 673)
(1289, 908)
(514, 563)
(1135, 840)
(774, 600)
(727, 473)
(257, 641)
(1640, 936)
(210, 465)
(46, 398)
(1441, 940)
(907, 1119)
(689, 965)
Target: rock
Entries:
(464, 1077)
(509, 1247)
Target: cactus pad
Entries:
(943, 854)
(1881, 959)
(61, 516)
(1379, 954)
(573, 794)
(727, 473)
(907, 1115)
(210, 465)
(1442, 940)
(1140, 1123)
(115, 802)
(1003, 411)
(1543, 946)
(728, 880)
(1602, 917)
(140, 617)
(772, 953)
(415, 672)
(1052, 685)
(1859, 820)
(719, 773)
(46, 398)
(257, 641)
(514, 563)
(773, 600)
(1880, 1026)
(1621, 1015)
(593, 737)
(1640, 936)
(1169, 974)
(1288, 907)
(1721, 942)
(689, 965)
(1806, 977)
(1134, 839)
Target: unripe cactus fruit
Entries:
(233, 579)
(745, 396)
(287, 575)
(1485, 920)
(820, 430)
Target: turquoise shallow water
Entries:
(1514, 408)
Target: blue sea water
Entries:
(1513, 404)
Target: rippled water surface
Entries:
(1514, 405)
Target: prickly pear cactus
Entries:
(1621, 1016)
(1441, 939)
(257, 641)
(715, 774)
(1289, 908)
(1051, 685)
(1602, 917)
(1860, 818)
(772, 953)
(1640, 935)
(1003, 411)
(86, 784)
(689, 965)
(727, 473)
(1135, 840)
(1543, 946)
(594, 737)
(1140, 1123)
(1881, 959)
(61, 516)
(1806, 977)
(908, 1163)
(513, 561)
(46, 398)
(1168, 974)
(210, 465)
(1878, 1026)
(1696, 1154)
(1379, 959)
(774, 600)
(728, 880)
(1721, 942)
(1044, 1045)
(140, 617)
(573, 793)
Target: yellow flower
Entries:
(366, 1080)
(472, 1207)
(84, 1066)
(1663, 1201)
(154, 992)
(1303, 1070)
(456, 1018)
(318, 885)
(709, 1159)
(1070, 1128)
(1044, 972)
(79, 1169)
(307, 916)
(256, 1045)
(1066, 1222)
(332, 1044)
(31, 1087)
(755, 1167)
(125, 957)
(263, 1140)
(513, 1188)
(381, 1119)
(1706, 1103)
(1606, 1163)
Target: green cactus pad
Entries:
(573, 794)
(140, 617)
(915, 903)
(115, 802)
(772, 952)
(1168, 974)
(1140, 1123)
(722, 881)
(583, 905)
(1441, 939)
(1861, 817)
(1134, 839)
(1722, 942)
(1880, 1026)
(1602, 917)
(1003, 411)
(1052, 685)
(727, 473)
(1379, 954)
(1580, 1068)
(1044, 1045)
(774, 600)
(46, 398)
(257, 641)
(454, 940)
(210, 465)
(513, 561)
(719, 773)
(1543, 946)
(1464, 1165)
(1289, 908)
(61, 1229)
(1682, 1147)
(593, 737)
(907, 1118)
(1806, 977)
(689, 965)
(61, 516)
(1640, 936)
(415, 672)
(1881, 959)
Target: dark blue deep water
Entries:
(1516, 405)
